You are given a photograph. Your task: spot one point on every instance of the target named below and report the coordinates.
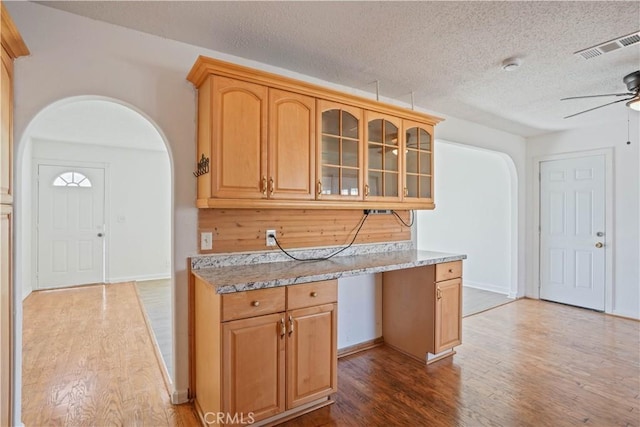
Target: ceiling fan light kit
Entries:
(634, 104)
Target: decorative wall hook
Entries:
(203, 166)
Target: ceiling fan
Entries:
(632, 81)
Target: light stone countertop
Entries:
(238, 278)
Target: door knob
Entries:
(100, 234)
(599, 245)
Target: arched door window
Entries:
(71, 179)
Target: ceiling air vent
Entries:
(610, 46)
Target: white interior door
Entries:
(70, 226)
(572, 231)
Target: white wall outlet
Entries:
(270, 241)
(206, 241)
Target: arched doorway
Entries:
(476, 213)
(79, 136)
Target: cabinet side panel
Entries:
(204, 137)
(6, 130)
(6, 336)
(207, 347)
(408, 312)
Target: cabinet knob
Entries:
(313, 294)
(255, 303)
(450, 270)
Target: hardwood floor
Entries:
(88, 360)
(528, 363)
(155, 296)
(477, 300)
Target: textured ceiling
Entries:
(448, 53)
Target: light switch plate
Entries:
(206, 241)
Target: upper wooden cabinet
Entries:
(383, 157)
(275, 142)
(339, 152)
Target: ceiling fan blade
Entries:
(595, 108)
(598, 96)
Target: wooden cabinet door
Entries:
(291, 153)
(239, 139)
(6, 130)
(418, 163)
(383, 148)
(448, 327)
(339, 146)
(253, 366)
(6, 334)
(312, 360)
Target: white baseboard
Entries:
(486, 287)
(179, 396)
(139, 278)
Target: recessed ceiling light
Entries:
(511, 64)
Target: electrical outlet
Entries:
(206, 241)
(270, 238)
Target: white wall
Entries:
(359, 309)
(626, 209)
(138, 215)
(473, 216)
(72, 56)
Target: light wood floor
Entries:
(527, 363)
(88, 360)
(155, 296)
(478, 300)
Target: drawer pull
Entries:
(255, 303)
(290, 325)
(283, 328)
(264, 185)
(450, 270)
(439, 293)
(313, 294)
(271, 185)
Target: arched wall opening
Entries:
(107, 133)
(476, 214)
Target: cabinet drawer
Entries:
(241, 305)
(310, 294)
(448, 270)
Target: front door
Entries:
(572, 226)
(70, 226)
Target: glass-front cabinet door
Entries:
(340, 157)
(383, 157)
(418, 179)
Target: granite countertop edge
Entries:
(270, 275)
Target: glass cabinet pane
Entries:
(412, 185)
(330, 150)
(349, 182)
(391, 184)
(375, 131)
(375, 156)
(375, 183)
(425, 140)
(412, 161)
(425, 187)
(330, 180)
(391, 159)
(390, 133)
(349, 125)
(412, 138)
(349, 153)
(331, 122)
(425, 163)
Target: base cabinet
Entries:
(422, 310)
(261, 354)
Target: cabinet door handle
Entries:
(290, 325)
(366, 190)
(406, 191)
(319, 188)
(438, 293)
(283, 328)
(271, 185)
(264, 185)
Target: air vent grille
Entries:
(610, 46)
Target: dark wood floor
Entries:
(527, 363)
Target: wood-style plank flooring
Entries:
(88, 360)
(478, 300)
(155, 296)
(528, 363)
